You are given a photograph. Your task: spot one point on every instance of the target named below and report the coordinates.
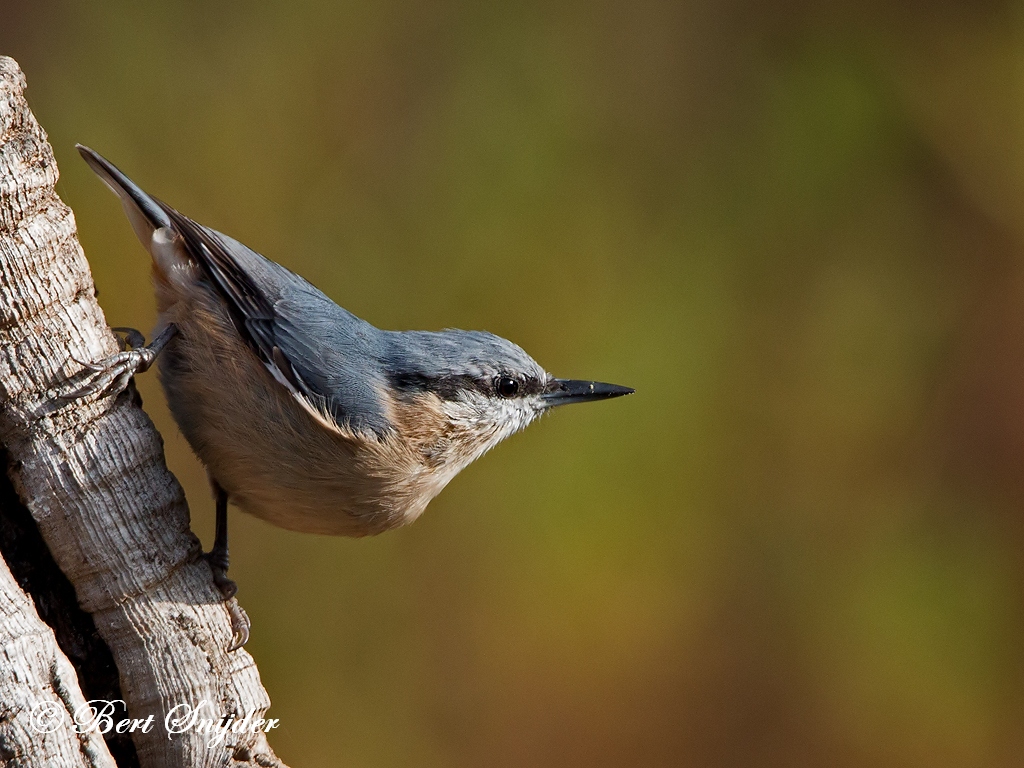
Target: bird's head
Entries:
(460, 393)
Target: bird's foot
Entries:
(111, 375)
(240, 623)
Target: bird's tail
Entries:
(144, 212)
(173, 270)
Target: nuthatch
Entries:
(304, 414)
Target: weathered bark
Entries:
(38, 692)
(92, 474)
(33, 567)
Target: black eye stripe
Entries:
(446, 387)
(450, 387)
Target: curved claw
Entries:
(133, 338)
(91, 366)
(240, 625)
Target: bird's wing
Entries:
(311, 346)
(321, 354)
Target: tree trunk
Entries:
(38, 688)
(92, 474)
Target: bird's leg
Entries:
(218, 560)
(218, 556)
(111, 375)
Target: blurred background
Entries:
(796, 228)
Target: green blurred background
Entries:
(796, 228)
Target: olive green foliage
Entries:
(795, 228)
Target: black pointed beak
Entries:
(565, 391)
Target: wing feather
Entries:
(260, 297)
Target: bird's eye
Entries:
(506, 386)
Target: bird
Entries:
(302, 413)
